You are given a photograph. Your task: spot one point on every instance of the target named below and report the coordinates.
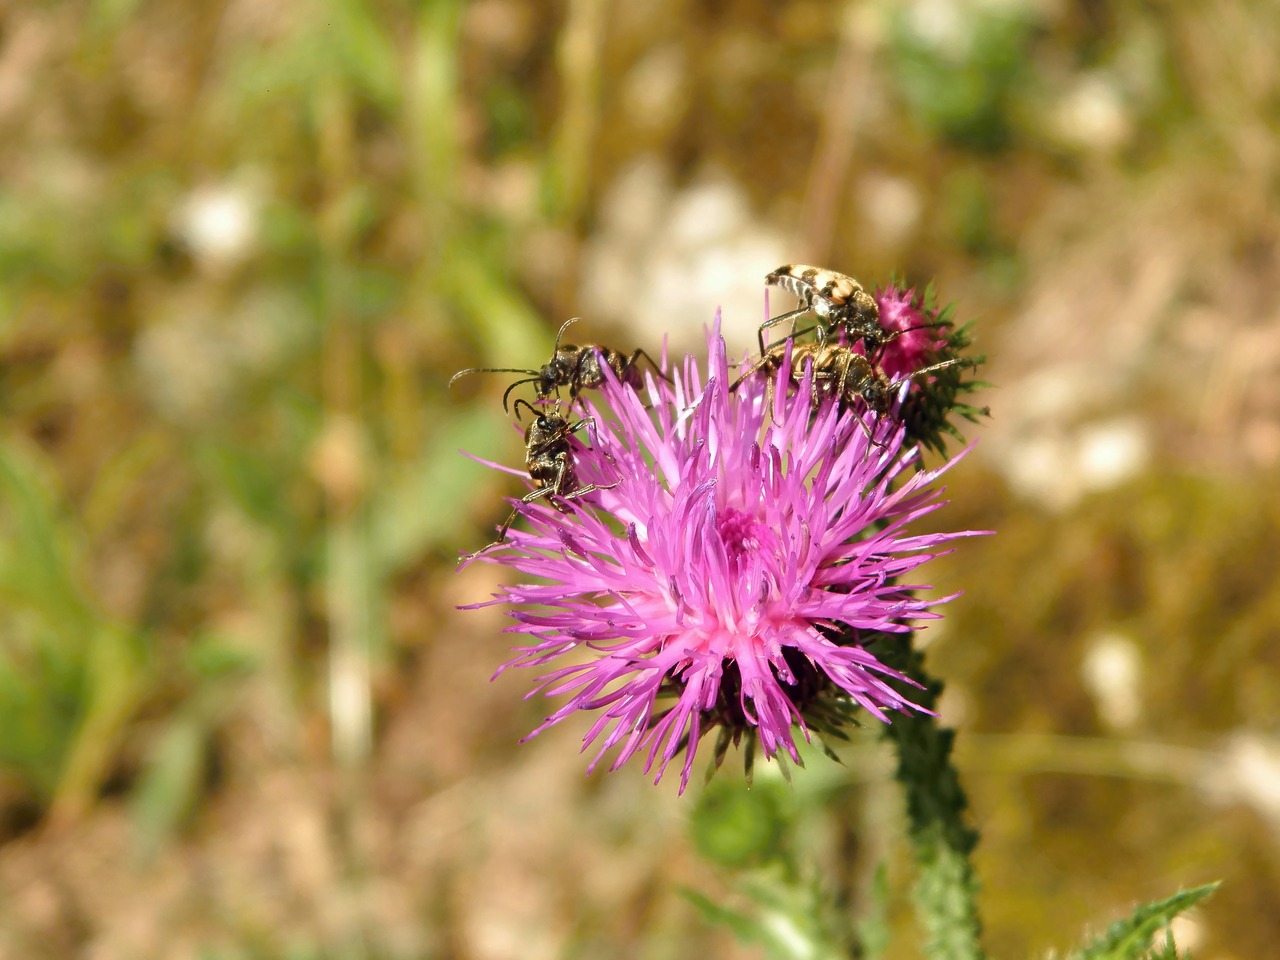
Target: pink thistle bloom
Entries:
(927, 336)
(733, 575)
(920, 339)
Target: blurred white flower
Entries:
(892, 205)
(1092, 117)
(219, 223)
(1248, 771)
(1107, 454)
(665, 260)
(1048, 457)
(1112, 673)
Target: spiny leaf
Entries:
(1130, 939)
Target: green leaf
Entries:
(506, 325)
(69, 677)
(873, 927)
(170, 784)
(116, 675)
(735, 828)
(1130, 939)
(213, 657)
(785, 924)
(365, 49)
(255, 482)
(38, 551)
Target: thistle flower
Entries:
(733, 575)
(927, 335)
(921, 338)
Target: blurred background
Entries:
(243, 246)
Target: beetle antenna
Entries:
(892, 335)
(938, 366)
(507, 393)
(516, 407)
(560, 333)
(463, 373)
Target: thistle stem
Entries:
(941, 842)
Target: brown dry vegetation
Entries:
(244, 245)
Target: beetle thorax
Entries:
(875, 394)
(589, 372)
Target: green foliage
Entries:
(277, 446)
(170, 785)
(967, 210)
(773, 841)
(69, 675)
(1130, 939)
(176, 768)
(1167, 950)
(782, 921)
(872, 927)
(961, 74)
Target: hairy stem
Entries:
(941, 841)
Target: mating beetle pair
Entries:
(842, 307)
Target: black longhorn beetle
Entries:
(577, 368)
(550, 464)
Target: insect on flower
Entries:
(839, 300)
(837, 371)
(833, 297)
(577, 368)
(923, 335)
(734, 579)
(550, 463)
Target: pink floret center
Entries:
(740, 534)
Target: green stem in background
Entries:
(941, 841)
(579, 58)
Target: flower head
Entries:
(733, 575)
(926, 336)
(920, 339)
